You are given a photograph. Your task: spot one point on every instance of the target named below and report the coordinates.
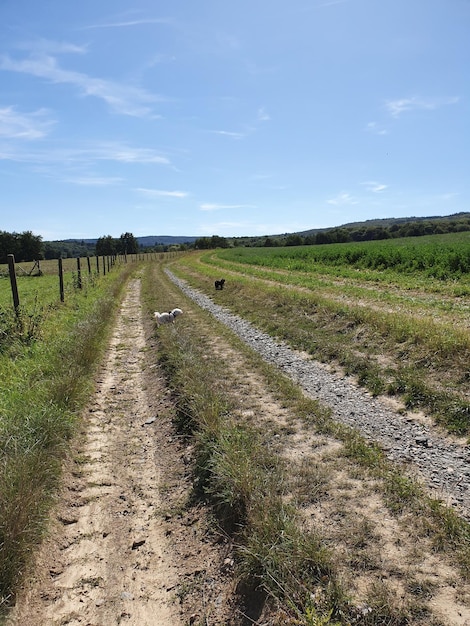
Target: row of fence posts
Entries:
(108, 262)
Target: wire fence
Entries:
(101, 265)
(79, 271)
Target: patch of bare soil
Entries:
(124, 545)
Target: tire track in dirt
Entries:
(111, 559)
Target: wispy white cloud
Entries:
(248, 129)
(49, 46)
(262, 115)
(126, 154)
(94, 181)
(124, 99)
(127, 23)
(155, 193)
(402, 105)
(374, 186)
(374, 127)
(101, 151)
(342, 198)
(218, 207)
(228, 133)
(29, 126)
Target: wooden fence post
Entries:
(61, 280)
(14, 286)
(89, 265)
(104, 266)
(79, 274)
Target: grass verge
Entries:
(44, 384)
(237, 472)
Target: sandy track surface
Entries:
(117, 552)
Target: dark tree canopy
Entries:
(106, 246)
(208, 243)
(25, 246)
(128, 244)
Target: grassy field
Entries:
(39, 293)
(43, 289)
(445, 257)
(401, 328)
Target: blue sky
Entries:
(209, 117)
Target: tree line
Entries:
(25, 246)
(373, 232)
(29, 247)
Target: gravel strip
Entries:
(443, 465)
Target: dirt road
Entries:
(117, 552)
(127, 546)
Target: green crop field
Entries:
(443, 257)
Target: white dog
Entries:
(167, 318)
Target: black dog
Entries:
(219, 284)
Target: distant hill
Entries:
(355, 231)
(148, 241)
(166, 240)
(387, 222)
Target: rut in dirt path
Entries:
(111, 561)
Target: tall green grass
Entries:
(43, 290)
(44, 382)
